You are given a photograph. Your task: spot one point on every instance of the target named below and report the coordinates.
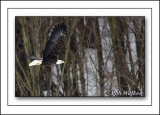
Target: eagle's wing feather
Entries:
(54, 43)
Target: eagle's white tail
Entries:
(35, 62)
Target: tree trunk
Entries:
(99, 55)
(139, 30)
(122, 72)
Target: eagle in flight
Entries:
(53, 47)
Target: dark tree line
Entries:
(101, 54)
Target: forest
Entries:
(104, 57)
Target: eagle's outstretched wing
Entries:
(55, 42)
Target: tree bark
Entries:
(99, 55)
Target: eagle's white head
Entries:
(59, 62)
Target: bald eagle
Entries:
(53, 47)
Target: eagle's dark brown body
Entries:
(52, 49)
(54, 45)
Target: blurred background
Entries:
(105, 56)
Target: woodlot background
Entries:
(105, 56)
